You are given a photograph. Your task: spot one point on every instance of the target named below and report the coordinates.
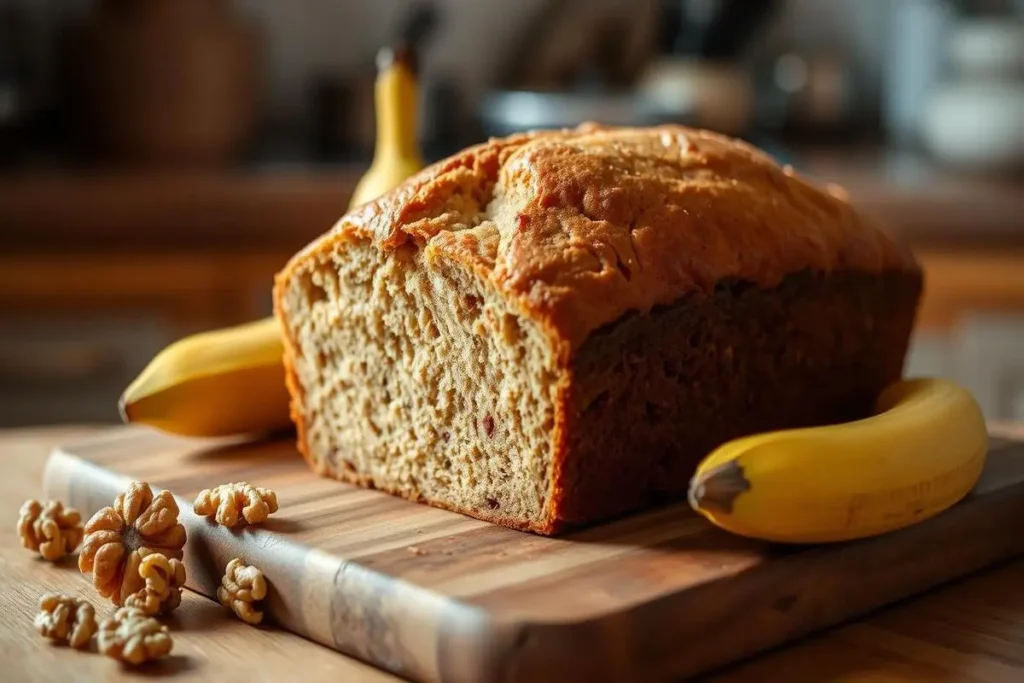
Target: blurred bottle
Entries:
(14, 85)
(975, 120)
(914, 65)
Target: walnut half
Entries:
(164, 579)
(241, 587)
(133, 636)
(50, 530)
(117, 538)
(66, 619)
(230, 502)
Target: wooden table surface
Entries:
(972, 630)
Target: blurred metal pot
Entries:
(504, 112)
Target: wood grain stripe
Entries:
(642, 576)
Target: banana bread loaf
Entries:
(551, 329)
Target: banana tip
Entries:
(124, 408)
(695, 493)
(717, 489)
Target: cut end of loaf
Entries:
(414, 377)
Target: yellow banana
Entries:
(396, 155)
(217, 383)
(920, 453)
(231, 381)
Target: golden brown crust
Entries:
(581, 226)
(291, 379)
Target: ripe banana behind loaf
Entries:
(231, 381)
(921, 452)
(397, 155)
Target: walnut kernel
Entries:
(117, 538)
(164, 579)
(66, 619)
(229, 502)
(241, 587)
(51, 530)
(133, 636)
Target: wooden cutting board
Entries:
(435, 596)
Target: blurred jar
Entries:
(976, 119)
(163, 83)
(914, 64)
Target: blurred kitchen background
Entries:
(161, 159)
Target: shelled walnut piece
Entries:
(241, 587)
(229, 502)
(117, 538)
(63, 618)
(164, 579)
(133, 636)
(51, 530)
